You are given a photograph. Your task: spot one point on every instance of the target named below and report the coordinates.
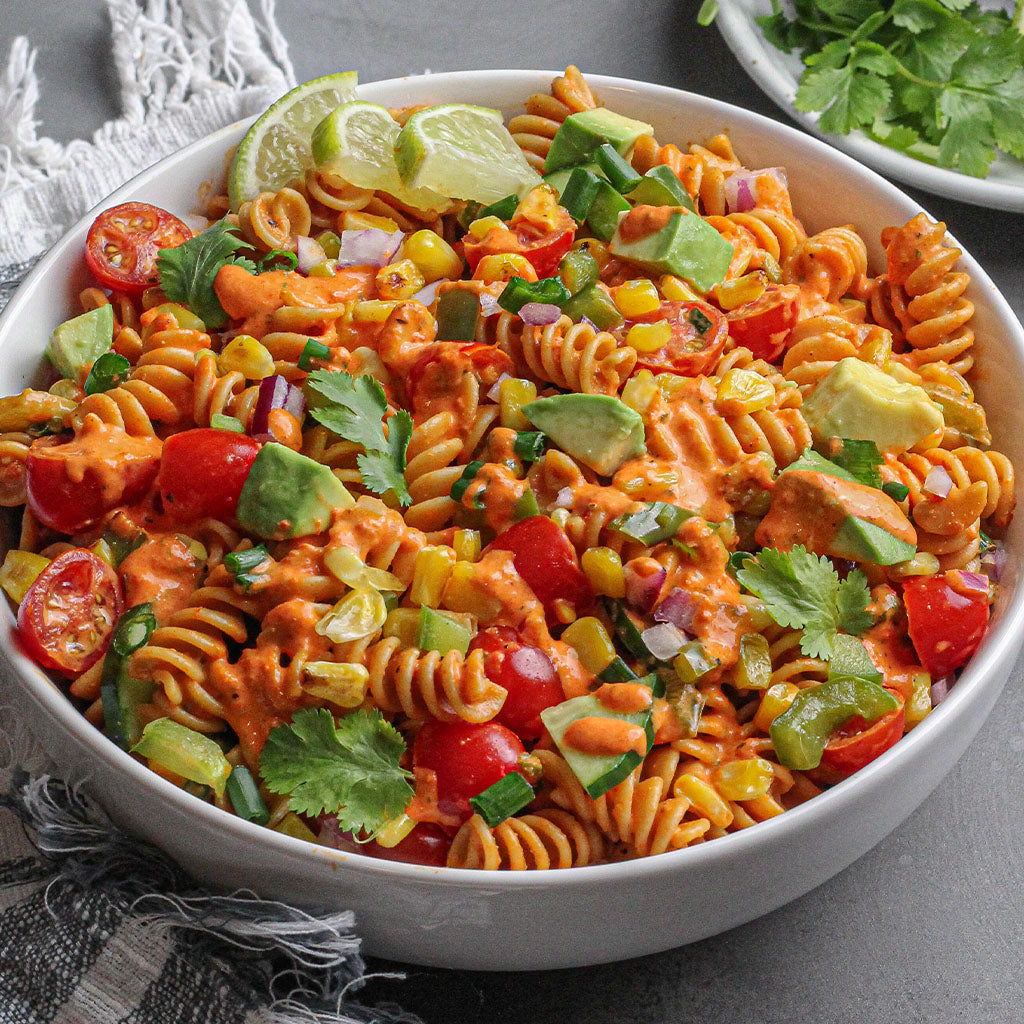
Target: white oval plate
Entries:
(778, 73)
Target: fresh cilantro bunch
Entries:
(803, 591)
(351, 769)
(941, 80)
(354, 408)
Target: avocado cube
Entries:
(77, 343)
(660, 187)
(580, 135)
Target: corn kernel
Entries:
(183, 316)
(403, 623)
(372, 311)
(743, 391)
(467, 545)
(636, 298)
(431, 572)
(401, 280)
(330, 243)
(677, 290)
(247, 356)
(432, 254)
(356, 220)
(640, 391)
(326, 268)
(360, 613)
(391, 833)
(876, 349)
(464, 594)
(590, 640)
(603, 568)
(770, 265)
(540, 206)
(340, 683)
(292, 825)
(743, 780)
(704, 798)
(776, 699)
(19, 572)
(482, 227)
(924, 563)
(564, 610)
(920, 703)
(503, 266)
(741, 290)
(513, 394)
(649, 337)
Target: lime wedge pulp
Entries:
(357, 140)
(464, 152)
(276, 148)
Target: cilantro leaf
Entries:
(187, 271)
(354, 408)
(351, 769)
(852, 600)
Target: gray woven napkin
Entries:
(96, 927)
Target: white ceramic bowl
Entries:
(516, 921)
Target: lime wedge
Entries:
(275, 149)
(357, 140)
(464, 152)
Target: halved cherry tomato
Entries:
(466, 758)
(72, 484)
(699, 333)
(123, 243)
(859, 742)
(546, 560)
(425, 844)
(947, 616)
(66, 618)
(202, 472)
(526, 673)
(764, 325)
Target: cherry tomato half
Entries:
(66, 618)
(123, 243)
(699, 333)
(764, 325)
(425, 844)
(859, 742)
(526, 673)
(466, 758)
(546, 560)
(202, 472)
(541, 231)
(72, 484)
(947, 616)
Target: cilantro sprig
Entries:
(803, 591)
(354, 408)
(351, 769)
(187, 271)
(941, 80)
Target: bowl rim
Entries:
(981, 673)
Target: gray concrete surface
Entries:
(929, 926)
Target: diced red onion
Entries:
(370, 247)
(741, 187)
(938, 482)
(679, 608)
(495, 393)
(940, 689)
(590, 323)
(563, 499)
(643, 591)
(539, 314)
(276, 393)
(994, 562)
(975, 581)
(428, 293)
(309, 252)
(489, 304)
(664, 641)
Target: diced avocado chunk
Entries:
(660, 187)
(77, 343)
(858, 400)
(685, 245)
(599, 430)
(603, 215)
(596, 773)
(861, 541)
(288, 495)
(558, 179)
(581, 134)
(441, 633)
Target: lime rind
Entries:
(276, 148)
(357, 141)
(464, 152)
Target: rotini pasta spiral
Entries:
(550, 838)
(534, 130)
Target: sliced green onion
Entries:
(121, 546)
(502, 799)
(596, 305)
(623, 177)
(461, 485)
(275, 254)
(330, 243)
(518, 292)
(185, 752)
(502, 209)
(526, 506)
(241, 564)
(221, 422)
(616, 671)
(529, 445)
(134, 629)
(896, 491)
(312, 350)
(578, 270)
(579, 193)
(701, 323)
(107, 372)
(626, 630)
(245, 796)
(656, 521)
(469, 213)
(458, 311)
